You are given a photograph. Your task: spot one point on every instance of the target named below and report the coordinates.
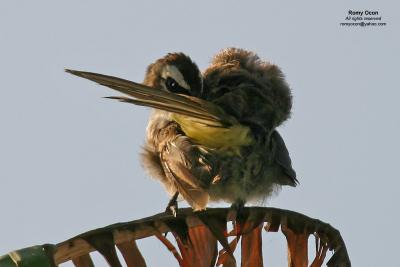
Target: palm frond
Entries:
(197, 235)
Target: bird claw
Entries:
(238, 206)
(172, 206)
(172, 209)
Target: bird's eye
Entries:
(171, 84)
(174, 87)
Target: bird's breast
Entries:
(227, 139)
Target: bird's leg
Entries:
(173, 204)
(238, 206)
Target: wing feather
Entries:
(156, 98)
(196, 196)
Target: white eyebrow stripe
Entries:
(174, 73)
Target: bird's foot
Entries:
(172, 206)
(238, 205)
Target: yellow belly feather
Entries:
(225, 139)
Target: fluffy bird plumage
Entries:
(255, 93)
(212, 135)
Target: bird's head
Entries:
(175, 73)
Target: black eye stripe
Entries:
(174, 87)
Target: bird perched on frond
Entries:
(212, 135)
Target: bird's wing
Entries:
(205, 122)
(143, 95)
(282, 158)
(189, 169)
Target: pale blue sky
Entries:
(69, 159)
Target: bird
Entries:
(212, 135)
